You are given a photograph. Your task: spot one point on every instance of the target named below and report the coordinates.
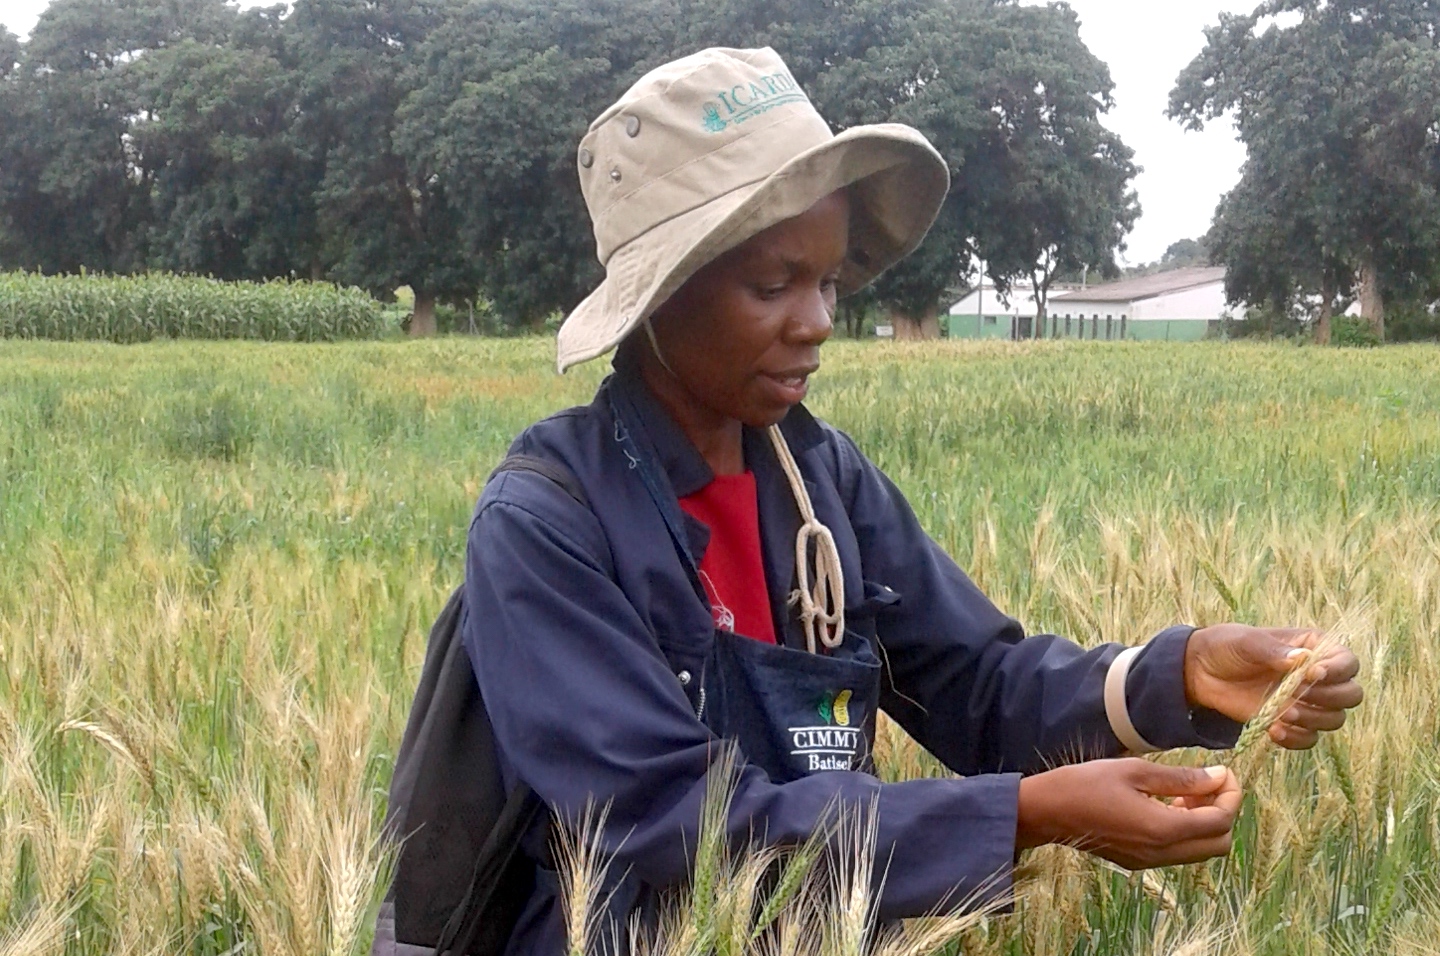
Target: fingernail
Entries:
(1297, 652)
(1217, 773)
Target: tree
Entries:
(385, 218)
(232, 193)
(1339, 110)
(73, 191)
(1184, 253)
(9, 52)
(1274, 249)
(1047, 187)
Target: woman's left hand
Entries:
(1232, 668)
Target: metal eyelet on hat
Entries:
(587, 159)
(632, 126)
(615, 175)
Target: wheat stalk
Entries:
(1285, 693)
(41, 935)
(582, 862)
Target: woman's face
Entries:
(743, 335)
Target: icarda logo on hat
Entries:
(744, 101)
(708, 150)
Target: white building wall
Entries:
(1017, 303)
(1201, 302)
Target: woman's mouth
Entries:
(791, 385)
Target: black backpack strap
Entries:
(557, 473)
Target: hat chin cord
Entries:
(822, 597)
(655, 347)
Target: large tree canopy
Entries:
(431, 143)
(1338, 104)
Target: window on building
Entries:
(989, 320)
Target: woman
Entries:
(742, 571)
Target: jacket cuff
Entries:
(1154, 698)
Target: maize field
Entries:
(127, 309)
(219, 561)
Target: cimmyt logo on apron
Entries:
(835, 709)
(832, 745)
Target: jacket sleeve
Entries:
(970, 686)
(585, 707)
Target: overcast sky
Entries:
(1146, 43)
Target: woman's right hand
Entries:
(1110, 808)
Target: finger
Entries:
(1340, 665)
(1198, 851)
(1332, 696)
(1191, 801)
(1293, 738)
(1230, 795)
(1305, 717)
(1159, 780)
(1306, 637)
(1195, 823)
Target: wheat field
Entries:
(218, 562)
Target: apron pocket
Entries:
(793, 713)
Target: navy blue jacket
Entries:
(587, 639)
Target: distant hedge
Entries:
(140, 308)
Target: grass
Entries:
(218, 562)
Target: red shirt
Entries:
(732, 570)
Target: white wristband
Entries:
(1117, 710)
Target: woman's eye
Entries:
(769, 292)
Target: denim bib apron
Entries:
(793, 713)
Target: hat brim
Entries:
(897, 181)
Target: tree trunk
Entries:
(1372, 303)
(1041, 291)
(1327, 309)
(422, 320)
(913, 328)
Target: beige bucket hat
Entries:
(708, 150)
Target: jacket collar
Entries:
(680, 460)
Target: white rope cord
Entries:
(822, 602)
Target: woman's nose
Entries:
(815, 318)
